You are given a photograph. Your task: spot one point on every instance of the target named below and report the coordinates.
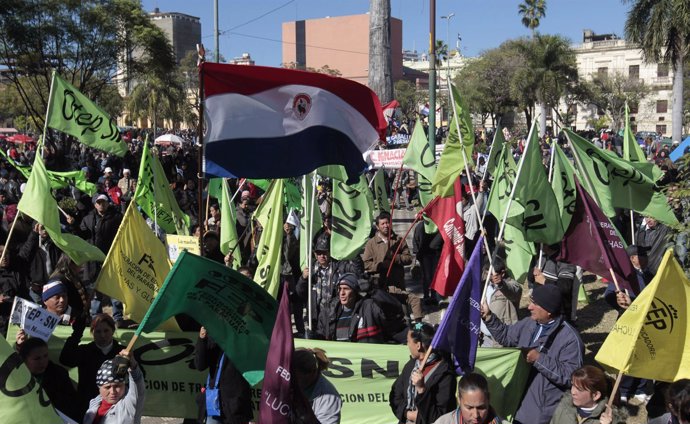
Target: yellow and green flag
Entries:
(38, 202)
(155, 197)
(351, 218)
(381, 202)
(632, 152)
(73, 113)
(497, 148)
(650, 340)
(135, 267)
(563, 184)
(310, 218)
(452, 161)
(419, 158)
(22, 399)
(268, 251)
(228, 230)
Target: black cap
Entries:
(548, 296)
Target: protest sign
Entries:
(363, 377)
(33, 319)
(176, 244)
(392, 158)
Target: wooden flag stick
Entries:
(615, 388)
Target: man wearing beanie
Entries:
(55, 300)
(349, 317)
(551, 345)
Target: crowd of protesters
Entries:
(367, 299)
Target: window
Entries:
(661, 106)
(661, 129)
(633, 107)
(603, 72)
(662, 70)
(634, 72)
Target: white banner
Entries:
(33, 319)
(391, 158)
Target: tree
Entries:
(409, 98)
(441, 53)
(662, 29)
(91, 43)
(610, 93)
(380, 61)
(532, 11)
(551, 71)
(157, 98)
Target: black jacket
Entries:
(35, 258)
(235, 393)
(366, 325)
(99, 231)
(58, 386)
(330, 287)
(438, 397)
(88, 358)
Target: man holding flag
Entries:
(551, 345)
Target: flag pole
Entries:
(632, 227)
(9, 236)
(480, 219)
(619, 377)
(510, 202)
(201, 58)
(310, 233)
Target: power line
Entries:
(293, 43)
(223, 32)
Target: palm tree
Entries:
(442, 53)
(532, 11)
(662, 29)
(155, 99)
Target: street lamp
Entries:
(448, 18)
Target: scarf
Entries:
(411, 390)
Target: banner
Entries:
(177, 244)
(392, 158)
(33, 319)
(351, 218)
(268, 251)
(73, 113)
(396, 139)
(22, 400)
(362, 376)
(135, 267)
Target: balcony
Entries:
(662, 81)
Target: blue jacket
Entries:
(550, 375)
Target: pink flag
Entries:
(593, 243)
(446, 212)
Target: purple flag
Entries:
(593, 243)
(458, 332)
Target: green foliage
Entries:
(408, 96)
(680, 201)
(610, 93)
(598, 123)
(532, 11)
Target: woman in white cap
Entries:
(121, 392)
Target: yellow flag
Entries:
(268, 250)
(650, 340)
(135, 267)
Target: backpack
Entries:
(395, 318)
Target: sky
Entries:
(255, 27)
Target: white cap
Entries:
(126, 171)
(108, 169)
(101, 197)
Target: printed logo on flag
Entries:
(661, 315)
(301, 106)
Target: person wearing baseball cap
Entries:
(121, 392)
(350, 317)
(551, 345)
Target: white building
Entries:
(608, 54)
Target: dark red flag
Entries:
(280, 398)
(593, 243)
(446, 212)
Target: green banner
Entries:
(363, 375)
(155, 197)
(268, 251)
(73, 113)
(563, 184)
(352, 217)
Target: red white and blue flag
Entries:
(264, 122)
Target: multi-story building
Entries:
(245, 59)
(183, 31)
(608, 55)
(341, 43)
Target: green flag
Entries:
(268, 251)
(452, 161)
(308, 219)
(541, 220)
(237, 313)
(519, 253)
(215, 188)
(632, 152)
(73, 113)
(618, 183)
(228, 231)
(563, 184)
(292, 195)
(334, 172)
(22, 399)
(418, 155)
(38, 202)
(497, 147)
(57, 179)
(155, 197)
(351, 220)
(502, 188)
(381, 202)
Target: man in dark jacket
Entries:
(551, 345)
(325, 275)
(654, 237)
(351, 318)
(39, 255)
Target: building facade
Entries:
(183, 31)
(340, 43)
(609, 55)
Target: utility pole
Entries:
(216, 32)
(432, 76)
